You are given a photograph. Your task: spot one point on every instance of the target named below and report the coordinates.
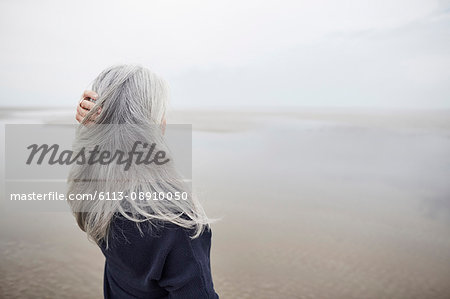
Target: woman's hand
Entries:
(86, 105)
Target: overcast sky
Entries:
(384, 53)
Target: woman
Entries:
(153, 249)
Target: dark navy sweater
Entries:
(161, 262)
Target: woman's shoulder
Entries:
(150, 232)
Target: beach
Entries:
(310, 203)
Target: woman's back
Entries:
(156, 262)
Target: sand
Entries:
(314, 203)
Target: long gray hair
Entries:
(133, 103)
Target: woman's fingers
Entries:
(78, 117)
(90, 94)
(81, 111)
(81, 114)
(87, 105)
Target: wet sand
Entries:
(314, 203)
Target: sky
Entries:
(232, 54)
